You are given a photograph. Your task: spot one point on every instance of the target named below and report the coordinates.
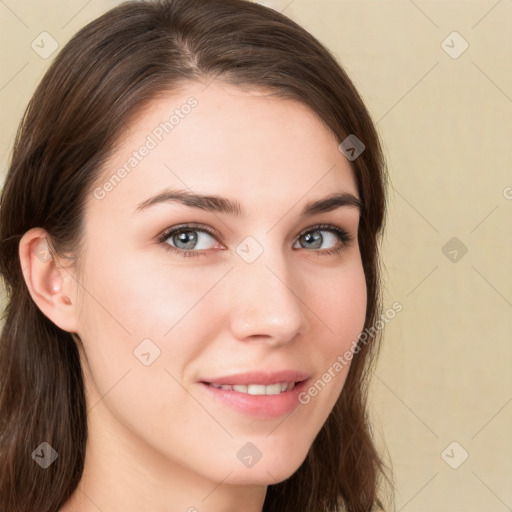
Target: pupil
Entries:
(317, 237)
(189, 238)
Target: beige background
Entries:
(444, 374)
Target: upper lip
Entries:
(259, 377)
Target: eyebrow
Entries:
(214, 203)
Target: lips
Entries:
(257, 389)
(258, 394)
(259, 378)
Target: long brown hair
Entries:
(106, 74)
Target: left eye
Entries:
(314, 239)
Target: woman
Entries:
(189, 232)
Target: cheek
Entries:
(128, 300)
(138, 294)
(340, 305)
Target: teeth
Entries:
(258, 389)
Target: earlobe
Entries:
(49, 284)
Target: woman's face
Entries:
(257, 302)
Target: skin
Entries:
(157, 441)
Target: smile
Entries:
(257, 389)
(255, 397)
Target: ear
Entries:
(49, 283)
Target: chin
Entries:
(266, 472)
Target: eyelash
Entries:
(344, 237)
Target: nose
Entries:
(266, 303)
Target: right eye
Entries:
(188, 240)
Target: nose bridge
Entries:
(266, 298)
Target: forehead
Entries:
(247, 144)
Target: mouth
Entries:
(257, 389)
(260, 395)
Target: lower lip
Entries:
(259, 406)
